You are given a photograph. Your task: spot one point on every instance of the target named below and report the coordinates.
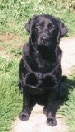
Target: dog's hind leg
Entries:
(22, 73)
(60, 94)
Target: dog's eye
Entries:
(37, 27)
(50, 26)
(40, 26)
(54, 27)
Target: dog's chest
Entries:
(43, 65)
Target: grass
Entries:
(68, 107)
(69, 111)
(10, 101)
(13, 15)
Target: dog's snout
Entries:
(44, 38)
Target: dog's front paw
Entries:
(24, 116)
(51, 121)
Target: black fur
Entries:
(40, 73)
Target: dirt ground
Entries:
(37, 121)
(68, 55)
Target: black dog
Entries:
(40, 73)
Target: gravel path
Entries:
(68, 57)
(37, 121)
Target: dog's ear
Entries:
(28, 26)
(63, 28)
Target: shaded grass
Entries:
(68, 107)
(69, 111)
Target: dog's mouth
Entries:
(43, 48)
(43, 43)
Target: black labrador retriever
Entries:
(40, 73)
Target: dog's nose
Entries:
(44, 38)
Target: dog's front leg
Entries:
(24, 115)
(51, 110)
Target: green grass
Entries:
(69, 111)
(13, 16)
(10, 101)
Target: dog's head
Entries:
(46, 30)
